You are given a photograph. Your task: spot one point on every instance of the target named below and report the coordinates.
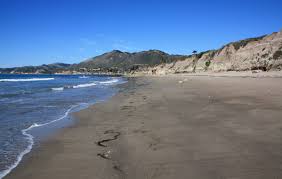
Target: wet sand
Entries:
(170, 127)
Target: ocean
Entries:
(31, 106)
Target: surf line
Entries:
(30, 140)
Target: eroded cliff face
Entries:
(262, 53)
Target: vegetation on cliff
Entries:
(259, 53)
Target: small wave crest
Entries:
(27, 79)
(58, 89)
(84, 85)
(76, 86)
(30, 140)
(109, 81)
(84, 77)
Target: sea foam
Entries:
(84, 85)
(109, 81)
(84, 77)
(30, 140)
(58, 89)
(27, 79)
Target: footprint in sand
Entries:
(128, 108)
(101, 142)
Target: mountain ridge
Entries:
(41, 69)
(258, 53)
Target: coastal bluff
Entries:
(254, 54)
(257, 54)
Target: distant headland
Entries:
(262, 53)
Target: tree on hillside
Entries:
(194, 52)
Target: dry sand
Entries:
(200, 128)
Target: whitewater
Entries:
(30, 102)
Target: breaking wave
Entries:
(84, 85)
(27, 79)
(30, 140)
(108, 82)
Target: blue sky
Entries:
(34, 32)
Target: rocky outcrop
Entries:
(262, 53)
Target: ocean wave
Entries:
(85, 85)
(16, 101)
(30, 140)
(58, 89)
(84, 77)
(109, 81)
(27, 79)
(50, 106)
(9, 95)
(75, 86)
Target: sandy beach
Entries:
(181, 127)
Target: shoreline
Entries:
(243, 74)
(248, 73)
(28, 157)
(32, 142)
(34, 138)
(161, 128)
